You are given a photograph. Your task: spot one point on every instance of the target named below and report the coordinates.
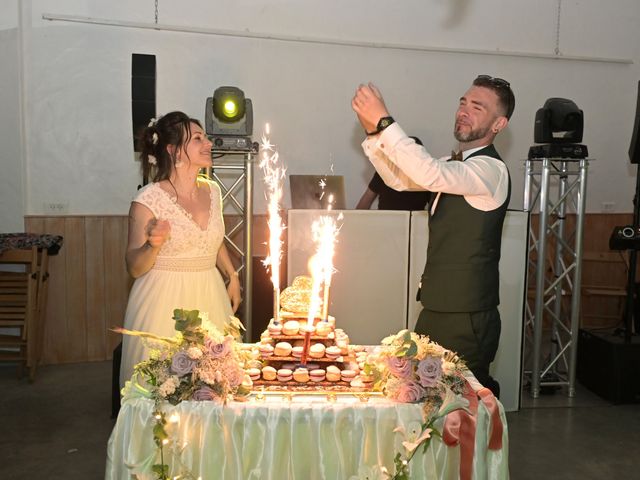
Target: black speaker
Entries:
(143, 92)
(609, 366)
(634, 148)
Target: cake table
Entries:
(299, 437)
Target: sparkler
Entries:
(273, 178)
(325, 233)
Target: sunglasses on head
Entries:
(495, 81)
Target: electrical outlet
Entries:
(608, 207)
(55, 208)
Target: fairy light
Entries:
(273, 178)
(174, 418)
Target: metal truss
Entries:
(235, 178)
(557, 187)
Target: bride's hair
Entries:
(170, 129)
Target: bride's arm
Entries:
(146, 237)
(226, 267)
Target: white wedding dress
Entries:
(183, 276)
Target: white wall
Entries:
(77, 85)
(11, 165)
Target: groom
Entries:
(459, 287)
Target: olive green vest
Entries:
(461, 274)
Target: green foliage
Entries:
(401, 468)
(186, 320)
(161, 470)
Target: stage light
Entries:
(558, 121)
(229, 119)
(558, 127)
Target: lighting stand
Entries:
(560, 252)
(241, 173)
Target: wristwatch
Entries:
(383, 123)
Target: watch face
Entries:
(384, 122)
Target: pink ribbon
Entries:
(460, 428)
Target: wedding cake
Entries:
(298, 354)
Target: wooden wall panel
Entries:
(117, 280)
(95, 288)
(76, 291)
(55, 329)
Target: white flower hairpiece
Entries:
(152, 160)
(154, 138)
(152, 122)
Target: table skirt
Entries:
(275, 439)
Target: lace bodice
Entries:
(187, 239)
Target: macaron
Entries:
(275, 329)
(357, 384)
(307, 329)
(269, 373)
(285, 375)
(291, 327)
(348, 375)
(333, 352)
(316, 350)
(282, 349)
(317, 375)
(323, 329)
(254, 373)
(297, 351)
(301, 375)
(333, 373)
(366, 379)
(266, 350)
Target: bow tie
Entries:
(456, 155)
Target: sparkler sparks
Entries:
(325, 233)
(274, 175)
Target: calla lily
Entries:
(452, 402)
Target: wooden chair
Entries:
(22, 304)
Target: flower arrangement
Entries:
(410, 368)
(199, 363)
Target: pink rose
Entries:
(400, 366)
(204, 394)
(218, 350)
(429, 371)
(409, 392)
(181, 364)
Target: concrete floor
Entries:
(57, 428)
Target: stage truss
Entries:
(557, 187)
(235, 178)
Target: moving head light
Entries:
(229, 119)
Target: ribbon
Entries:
(460, 428)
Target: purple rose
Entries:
(218, 350)
(429, 371)
(204, 394)
(181, 364)
(400, 366)
(409, 392)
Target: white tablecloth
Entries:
(276, 439)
